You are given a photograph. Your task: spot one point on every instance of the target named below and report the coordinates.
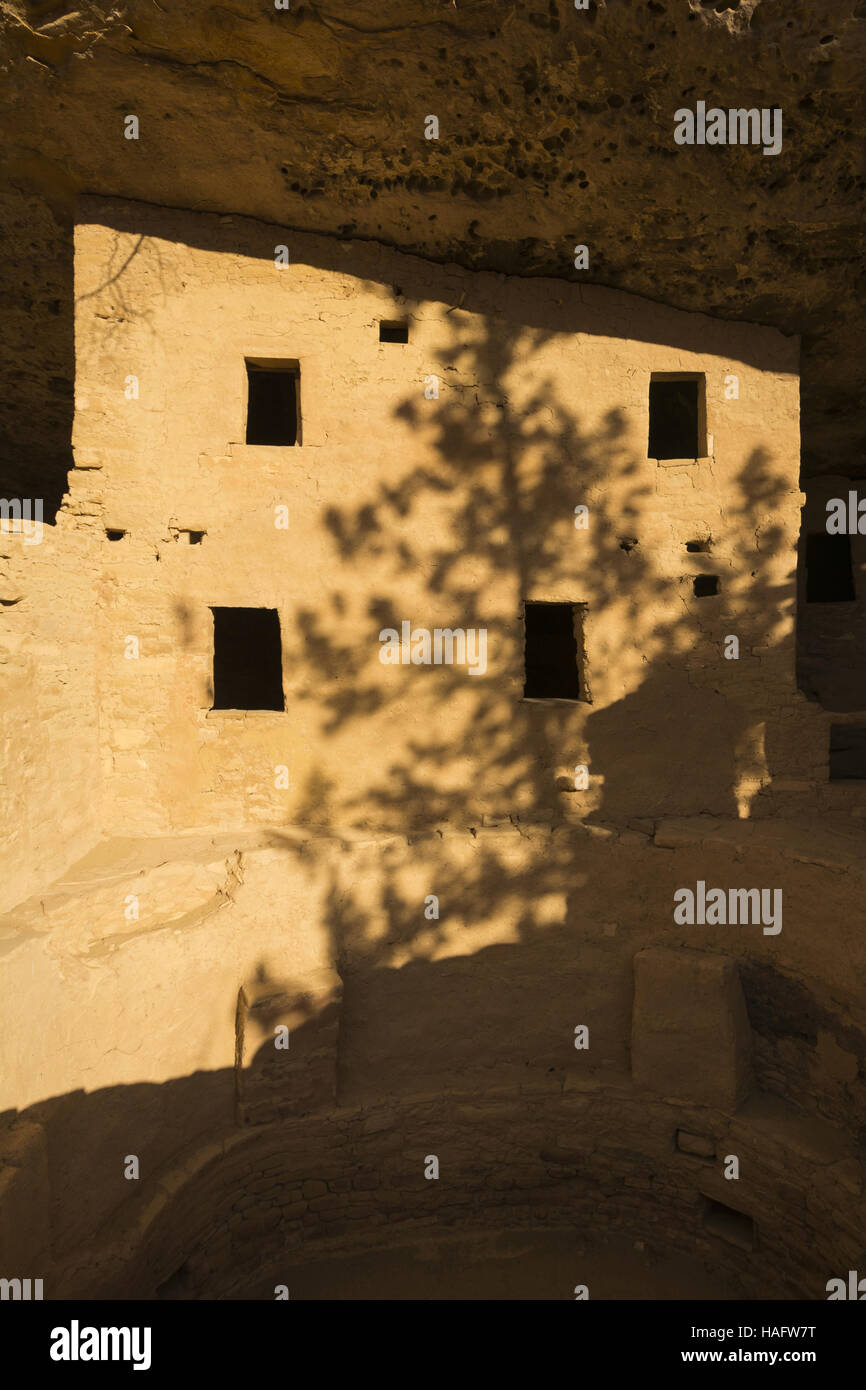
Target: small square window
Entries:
(247, 659)
(676, 417)
(554, 651)
(273, 403)
(393, 330)
(705, 585)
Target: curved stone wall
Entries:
(268, 1159)
(602, 1163)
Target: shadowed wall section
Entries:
(455, 1040)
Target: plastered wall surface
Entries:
(50, 791)
(447, 512)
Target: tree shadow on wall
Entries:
(692, 735)
(505, 468)
(507, 460)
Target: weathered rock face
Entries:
(555, 127)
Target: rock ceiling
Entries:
(556, 127)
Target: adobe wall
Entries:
(50, 788)
(445, 512)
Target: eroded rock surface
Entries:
(556, 127)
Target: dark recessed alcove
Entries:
(705, 585)
(829, 576)
(675, 417)
(273, 403)
(847, 752)
(553, 647)
(247, 659)
(393, 330)
(729, 1224)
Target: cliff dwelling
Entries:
(401, 868)
(434, 742)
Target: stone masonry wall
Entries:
(598, 1164)
(445, 512)
(50, 790)
(389, 1011)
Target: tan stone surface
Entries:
(463, 509)
(691, 1038)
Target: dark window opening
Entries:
(273, 403)
(705, 585)
(393, 331)
(729, 1224)
(552, 652)
(829, 577)
(114, 535)
(698, 547)
(194, 537)
(674, 418)
(847, 752)
(247, 659)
